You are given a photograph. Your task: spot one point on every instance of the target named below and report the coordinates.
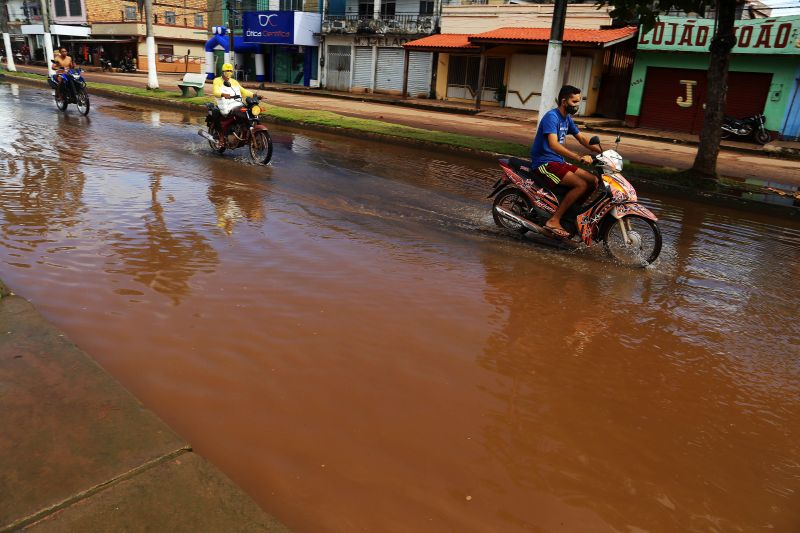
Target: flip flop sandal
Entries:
(557, 232)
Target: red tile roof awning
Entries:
(542, 35)
(443, 41)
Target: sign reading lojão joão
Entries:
(774, 35)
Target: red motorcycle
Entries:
(231, 132)
(611, 215)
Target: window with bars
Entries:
(165, 49)
(463, 72)
(426, 7)
(291, 5)
(366, 8)
(130, 12)
(169, 17)
(198, 21)
(68, 8)
(388, 9)
(61, 8)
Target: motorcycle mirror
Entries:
(594, 140)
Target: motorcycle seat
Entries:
(523, 168)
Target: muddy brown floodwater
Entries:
(348, 336)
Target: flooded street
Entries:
(348, 336)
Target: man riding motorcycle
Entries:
(226, 88)
(548, 153)
(61, 63)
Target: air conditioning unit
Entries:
(339, 24)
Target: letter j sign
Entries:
(688, 100)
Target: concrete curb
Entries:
(81, 453)
(641, 183)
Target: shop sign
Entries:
(776, 35)
(382, 42)
(268, 27)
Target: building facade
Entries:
(668, 86)
(274, 40)
(116, 29)
(495, 55)
(362, 42)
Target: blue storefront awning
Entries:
(246, 48)
(223, 42)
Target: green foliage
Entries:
(646, 12)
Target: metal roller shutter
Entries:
(420, 67)
(362, 76)
(389, 71)
(338, 68)
(668, 104)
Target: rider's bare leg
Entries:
(580, 183)
(592, 180)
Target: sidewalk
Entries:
(738, 162)
(79, 453)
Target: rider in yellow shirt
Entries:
(226, 87)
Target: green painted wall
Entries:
(782, 69)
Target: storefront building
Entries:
(274, 40)
(513, 61)
(668, 87)
(363, 46)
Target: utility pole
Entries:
(6, 37)
(231, 17)
(152, 76)
(48, 41)
(552, 65)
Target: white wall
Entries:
(478, 18)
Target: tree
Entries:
(152, 76)
(646, 12)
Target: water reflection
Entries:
(161, 258)
(42, 197)
(634, 395)
(234, 199)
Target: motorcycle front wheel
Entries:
(643, 243)
(261, 147)
(82, 99)
(516, 202)
(763, 137)
(61, 101)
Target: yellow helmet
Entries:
(227, 67)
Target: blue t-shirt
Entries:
(552, 122)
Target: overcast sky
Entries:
(786, 7)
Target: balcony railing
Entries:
(401, 24)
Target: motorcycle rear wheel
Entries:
(644, 236)
(763, 137)
(261, 147)
(214, 132)
(82, 98)
(515, 201)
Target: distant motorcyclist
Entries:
(61, 63)
(226, 89)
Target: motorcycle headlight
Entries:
(256, 110)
